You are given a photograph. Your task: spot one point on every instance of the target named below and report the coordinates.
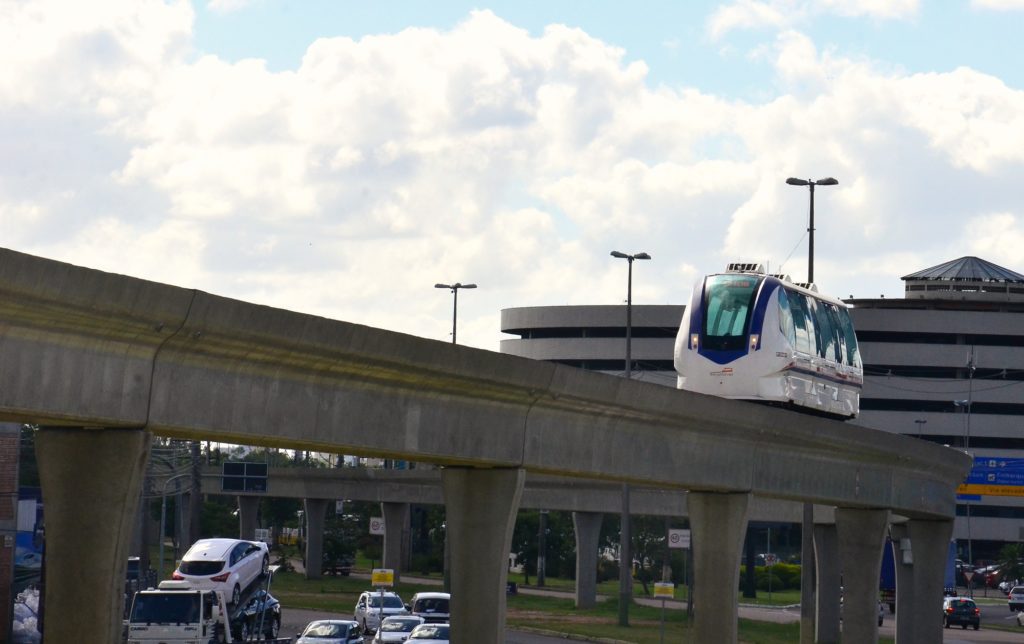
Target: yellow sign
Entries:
(382, 577)
(664, 590)
(991, 490)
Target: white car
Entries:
(374, 606)
(330, 631)
(228, 565)
(429, 634)
(396, 628)
(1015, 598)
(432, 607)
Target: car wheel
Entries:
(945, 624)
(963, 626)
(247, 629)
(977, 626)
(266, 566)
(274, 628)
(236, 595)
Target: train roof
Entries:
(807, 288)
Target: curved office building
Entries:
(945, 364)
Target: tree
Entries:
(1011, 562)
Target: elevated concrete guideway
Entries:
(82, 348)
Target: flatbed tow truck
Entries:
(177, 613)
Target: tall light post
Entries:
(807, 615)
(827, 181)
(163, 519)
(625, 550)
(454, 288)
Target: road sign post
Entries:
(664, 590)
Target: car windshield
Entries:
(201, 568)
(390, 601)
(325, 629)
(962, 604)
(431, 632)
(165, 608)
(399, 625)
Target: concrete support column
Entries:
(90, 480)
(396, 535)
(588, 532)
(248, 509)
(826, 568)
(861, 537)
(316, 510)
(718, 523)
(807, 575)
(920, 581)
(480, 507)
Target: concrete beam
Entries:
(828, 581)
(315, 517)
(248, 512)
(79, 346)
(718, 523)
(861, 537)
(919, 581)
(397, 536)
(481, 507)
(89, 523)
(587, 526)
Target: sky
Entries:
(341, 158)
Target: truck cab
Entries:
(176, 613)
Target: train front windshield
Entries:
(728, 304)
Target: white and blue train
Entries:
(754, 336)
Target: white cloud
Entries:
(347, 187)
(785, 14)
(227, 6)
(999, 5)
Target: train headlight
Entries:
(694, 337)
(754, 338)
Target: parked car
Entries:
(396, 628)
(430, 634)
(960, 611)
(229, 565)
(330, 631)
(265, 603)
(1015, 599)
(373, 606)
(432, 607)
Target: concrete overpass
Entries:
(104, 360)
(395, 490)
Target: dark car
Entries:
(262, 604)
(961, 611)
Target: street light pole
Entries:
(625, 538)
(828, 181)
(163, 520)
(454, 288)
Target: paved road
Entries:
(294, 620)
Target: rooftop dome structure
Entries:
(966, 278)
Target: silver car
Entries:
(330, 631)
(396, 628)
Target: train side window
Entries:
(825, 334)
(839, 340)
(798, 307)
(786, 318)
(852, 351)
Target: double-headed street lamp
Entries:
(828, 181)
(625, 550)
(454, 288)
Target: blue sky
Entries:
(671, 38)
(341, 158)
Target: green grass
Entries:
(557, 615)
